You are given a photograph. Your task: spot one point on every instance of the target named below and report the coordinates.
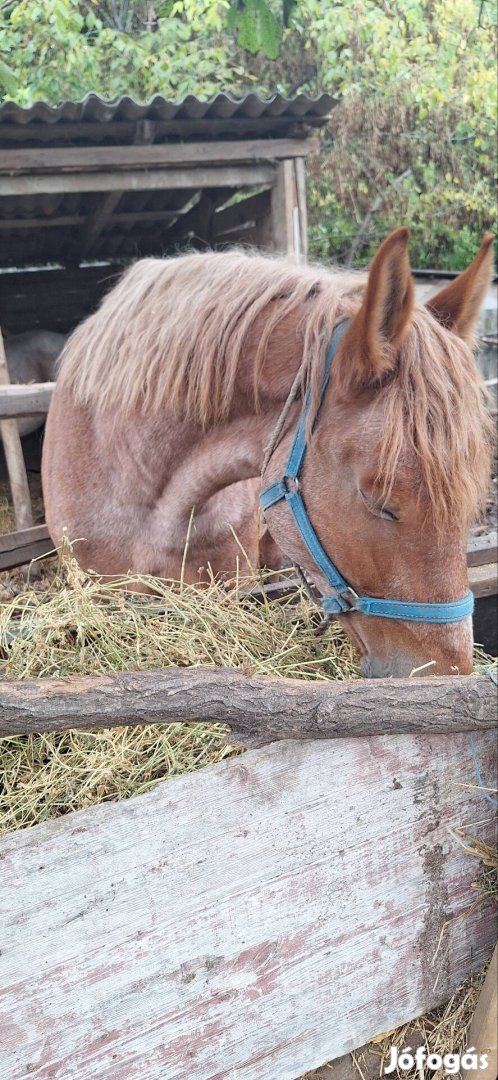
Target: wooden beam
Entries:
(18, 548)
(65, 221)
(483, 549)
(166, 155)
(261, 709)
(483, 580)
(122, 132)
(246, 211)
(252, 919)
(93, 226)
(14, 457)
(282, 237)
(300, 211)
(31, 399)
(483, 1031)
(196, 177)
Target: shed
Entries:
(87, 187)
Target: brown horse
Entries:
(170, 392)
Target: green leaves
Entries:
(257, 27)
(8, 81)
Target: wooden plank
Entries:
(196, 177)
(12, 541)
(301, 210)
(14, 458)
(483, 1030)
(483, 580)
(258, 710)
(66, 220)
(250, 920)
(247, 210)
(103, 158)
(30, 399)
(19, 548)
(283, 201)
(482, 549)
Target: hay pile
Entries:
(69, 623)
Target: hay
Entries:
(72, 624)
(66, 622)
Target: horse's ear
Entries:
(378, 328)
(458, 304)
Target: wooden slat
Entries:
(14, 458)
(30, 399)
(20, 547)
(102, 158)
(196, 177)
(483, 549)
(258, 710)
(251, 920)
(251, 209)
(64, 221)
(483, 580)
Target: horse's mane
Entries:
(172, 334)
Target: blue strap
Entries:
(343, 599)
(299, 446)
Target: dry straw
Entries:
(73, 624)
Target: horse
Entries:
(32, 357)
(193, 366)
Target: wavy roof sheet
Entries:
(95, 109)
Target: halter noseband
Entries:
(343, 600)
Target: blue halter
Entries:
(343, 599)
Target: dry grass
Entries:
(73, 624)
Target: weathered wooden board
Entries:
(247, 922)
(70, 159)
(194, 177)
(20, 547)
(29, 399)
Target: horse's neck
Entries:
(234, 449)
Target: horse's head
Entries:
(398, 462)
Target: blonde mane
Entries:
(172, 335)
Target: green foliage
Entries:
(412, 140)
(258, 28)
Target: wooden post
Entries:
(285, 230)
(484, 1025)
(14, 458)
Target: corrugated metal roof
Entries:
(94, 109)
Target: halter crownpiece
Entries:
(343, 600)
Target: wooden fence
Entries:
(267, 914)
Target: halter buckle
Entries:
(350, 596)
(291, 483)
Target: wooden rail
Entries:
(30, 399)
(257, 710)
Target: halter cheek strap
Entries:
(342, 600)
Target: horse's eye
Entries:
(377, 509)
(383, 512)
